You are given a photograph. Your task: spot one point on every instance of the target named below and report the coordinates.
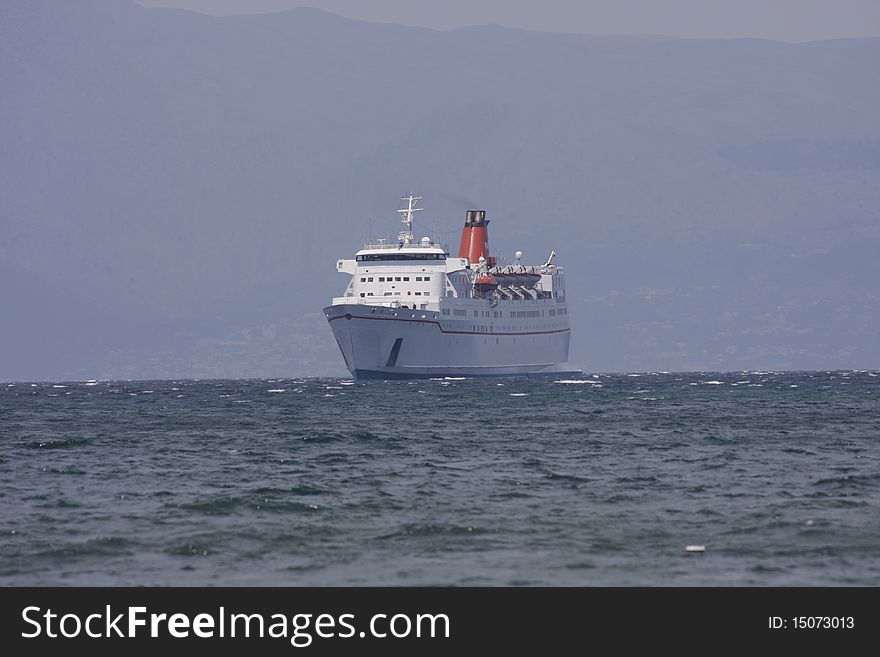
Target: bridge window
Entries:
(385, 257)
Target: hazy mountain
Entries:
(175, 188)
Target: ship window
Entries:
(369, 294)
(418, 294)
(362, 294)
(370, 279)
(476, 314)
(374, 257)
(406, 278)
(387, 294)
(363, 279)
(396, 278)
(427, 278)
(418, 278)
(381, 279)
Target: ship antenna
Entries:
(406, 236)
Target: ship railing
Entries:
(396, 245)
(408, 303)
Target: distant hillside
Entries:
(175, 188)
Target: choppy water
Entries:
(597, 480)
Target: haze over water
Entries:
(592, 480)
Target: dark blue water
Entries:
(602, 480)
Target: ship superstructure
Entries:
(413, 310)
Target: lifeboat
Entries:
(485, 283)
(514, 278)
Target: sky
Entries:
(780, 20)
(176, 188)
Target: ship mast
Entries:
(406, 236)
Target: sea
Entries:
(642, 479)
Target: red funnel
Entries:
(479, 243)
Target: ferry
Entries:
(413, 310)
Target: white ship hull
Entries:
(378, 342)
